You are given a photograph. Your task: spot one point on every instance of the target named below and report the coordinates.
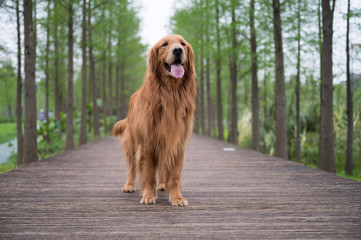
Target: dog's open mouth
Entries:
(176, 69)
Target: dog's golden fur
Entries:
(160, 118)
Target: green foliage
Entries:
(245, 129)
(7, 89)
(7, 132)
(9, 165)
(51, 138)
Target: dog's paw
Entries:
(128, 188)
(148, 199)
(161, 187)
(178, 201)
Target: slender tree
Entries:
(69, 142)
(218, 73)
(255, 102)
(233, 132)
(19, 92)
(319, 18)
(265, 115)
(349, 157)
(281, 145)
(122, 88)
(83, 137)
(208, 76)
(327, 146)
(201, 75)
(298, 125)
(35, 25)
(30, 135)
(117, 100)
(110, 71)
(56, 65)
(104, 88)
(92, 77)
(47, 66)
(201, 95)
(118, 69)
(110, 81)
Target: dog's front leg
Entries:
(173, 184)
(147, 175)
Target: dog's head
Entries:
(171, 57)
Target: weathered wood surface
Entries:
(232, 195)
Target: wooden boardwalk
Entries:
(237, 194)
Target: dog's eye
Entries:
(183, 44)
(165, 44)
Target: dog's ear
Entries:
(153, 59)
(190, 59)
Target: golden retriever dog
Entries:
(160, 119)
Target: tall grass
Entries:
(7, 132)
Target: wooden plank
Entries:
(237, 194)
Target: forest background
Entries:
(90, 57)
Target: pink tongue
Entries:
(177, 70)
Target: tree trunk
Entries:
(265, 107)
(69, 142)
(320, 49)
(35, 28)
(233, 133)
(281, 145)
(208, 77)
(19, 114)
(47, 68)
(219, 84)
(246, 90)
(110, 85)
(117, 101)
(118, 107)
(209, 100)
(349, 158)
(123, 109)
(56, 66)
(298, 125)
(110, 82)
(197, 122)
(201, 86)
(83, 137)
(9, 113)
(255, 103)
(327, 146)
(104, 94)
(197, 116)
(92, 78)
(30, 134)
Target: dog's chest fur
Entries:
(172, 115)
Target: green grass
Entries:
(9, 165)
(354, 176)
(7, 132)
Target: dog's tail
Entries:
(119, 127)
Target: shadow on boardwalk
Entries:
(232, 195)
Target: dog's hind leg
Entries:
(129, 186)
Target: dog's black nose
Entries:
(177, 51)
